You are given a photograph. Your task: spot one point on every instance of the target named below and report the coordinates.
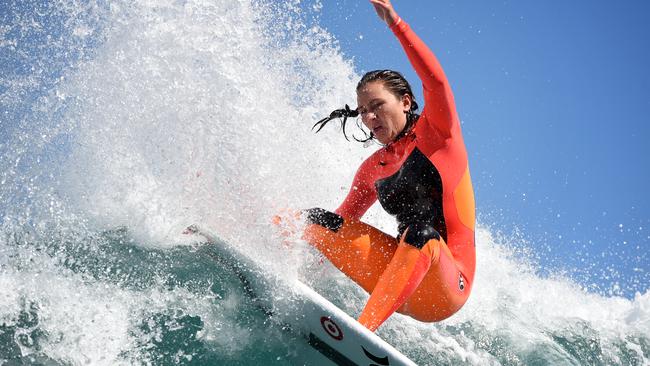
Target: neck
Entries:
(408, 126)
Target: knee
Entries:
(419, 233)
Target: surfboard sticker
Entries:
(338, 338)
(331, 328)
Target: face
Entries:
(381, 111)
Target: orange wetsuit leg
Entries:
(357, 249)
(423, 283)
(396, 284)
(443, 290)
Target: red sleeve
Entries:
(361, 196)
(439, 107)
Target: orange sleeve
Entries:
(361, 196)
(439, 107)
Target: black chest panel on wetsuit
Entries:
(414, 194)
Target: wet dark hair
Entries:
(395, 83)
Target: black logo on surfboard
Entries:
(331, 328)
(380, 361)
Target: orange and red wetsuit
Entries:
(423, 180)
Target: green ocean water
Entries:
(172, 333)
(180, 307)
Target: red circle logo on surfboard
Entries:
(331, 328)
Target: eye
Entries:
(374, 107)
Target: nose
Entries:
(368, 116)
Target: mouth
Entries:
(377, 129)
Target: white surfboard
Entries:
(338, 338)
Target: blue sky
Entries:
(554, 98)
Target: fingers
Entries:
(381, 4)
(288, 222)
(385, 11)
(289, 226)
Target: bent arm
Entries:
(360, 197)
(439, 106)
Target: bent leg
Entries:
(404, 273)
(443, 290)
(359, 250)
(421, 281)
(417, 277)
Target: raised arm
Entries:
(439, 106)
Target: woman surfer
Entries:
(421, 176)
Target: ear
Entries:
(407, 101)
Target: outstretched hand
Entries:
(385, 11)
(289, 223)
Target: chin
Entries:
(384, 141)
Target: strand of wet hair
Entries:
(342, 114)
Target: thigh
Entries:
(359, 250)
